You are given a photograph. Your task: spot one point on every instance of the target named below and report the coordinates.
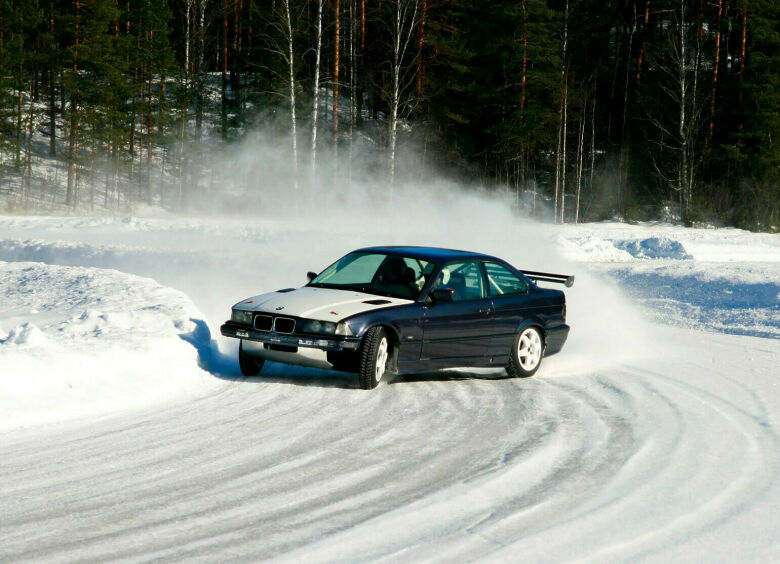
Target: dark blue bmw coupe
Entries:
(389, 310)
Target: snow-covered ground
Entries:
(127, 433)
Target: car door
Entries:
(512, 303)
(462, 328)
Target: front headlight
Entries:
(321, 327)
(241, 316)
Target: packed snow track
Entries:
(637, 442)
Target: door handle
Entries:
(486, 311)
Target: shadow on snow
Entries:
(225, 367)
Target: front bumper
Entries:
(279, 341)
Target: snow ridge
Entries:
(87, 340)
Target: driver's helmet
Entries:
(443, 278)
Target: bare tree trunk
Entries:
(592, 143)
(224, 37)
(182, 161)
(362, 26)
(523, 80)
(420, 44)
(149, 144)
(201, 54)
(640, 57)
(560, 159)
(623, 166)
(580, 151)
(27, 180)
(131, 147)
(70, 195)
(682, 174)
(403, 26)
(558, 163)
(235, 78)
(52, 116)
(52, 106)
(19, 113)
(742, 53)
(715, 67)
(352, 83)
(316, 94)
(563, 142)
(694, 109)
(188, 7)
(293, 121)
(336, 67)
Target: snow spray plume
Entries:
(350, 204)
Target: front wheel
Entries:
(250, 365)
(373, 357)
(526, 355)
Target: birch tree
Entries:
(316, 92)
(676, 116)
(560, 159)
(287, 52)
(405, 18)
(70, 195)
(336, 84)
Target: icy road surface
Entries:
(127, 434)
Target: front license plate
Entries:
(242, 333)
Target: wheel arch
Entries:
(533, 322)
(392, 332)
(394, 338)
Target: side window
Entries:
(465, 279)
(502, 281)
(422, 270)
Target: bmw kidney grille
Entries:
(263, 322)
(284, 325)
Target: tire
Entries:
(526, 355)
(250, 365)
(374, 355)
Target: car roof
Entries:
(432, 254)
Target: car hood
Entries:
(322, 304)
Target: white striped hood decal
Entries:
(323, 304)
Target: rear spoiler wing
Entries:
(567, 279)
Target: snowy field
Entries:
(127, 433)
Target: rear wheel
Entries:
(526, 356)
(250, 365)
(373, 357)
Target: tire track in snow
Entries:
(470, 467)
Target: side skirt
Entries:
(418, 366)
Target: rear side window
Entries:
(502, 281)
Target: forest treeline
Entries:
(641, 109)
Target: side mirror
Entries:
(443, 295)
(311, 275)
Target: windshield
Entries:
(377, 273)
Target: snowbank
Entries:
(82, 341)
(723, 280)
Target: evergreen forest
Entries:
(581, 110)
